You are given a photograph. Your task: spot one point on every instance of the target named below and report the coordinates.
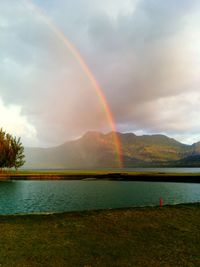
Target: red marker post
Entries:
(161, 202)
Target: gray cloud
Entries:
(154, 59)
(143, 53)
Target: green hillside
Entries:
(97, 150)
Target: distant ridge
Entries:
(96, 150)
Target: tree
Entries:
(18, 153)
(11, 151)
(3, 149)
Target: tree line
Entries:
(11, 151)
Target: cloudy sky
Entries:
(145, 55)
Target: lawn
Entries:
(167, 236)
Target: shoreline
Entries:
(103, 210)
(102, 175)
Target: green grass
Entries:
(82, 174)
(168, 236)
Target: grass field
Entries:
(167, 236)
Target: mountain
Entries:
(190, 161)
(97, 150)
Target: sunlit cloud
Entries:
(13, 121)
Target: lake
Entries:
(60, 196)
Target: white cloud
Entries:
(116, 8)
(13, 122)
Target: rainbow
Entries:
(88, 73)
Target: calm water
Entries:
(59, 196)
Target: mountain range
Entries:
(97, 150)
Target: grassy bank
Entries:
(168, 236)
